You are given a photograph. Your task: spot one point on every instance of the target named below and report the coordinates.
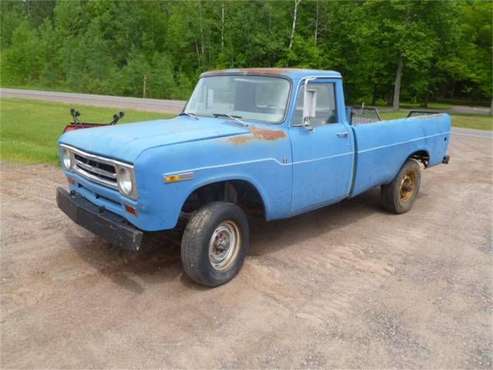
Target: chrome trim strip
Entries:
(96, 179)
(95, 169)
(82, 168)
(78, 168)
(96, 157)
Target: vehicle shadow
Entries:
(159, 259)
(157, 262)
(268, 237)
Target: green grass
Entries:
(458, 120)
(29, 130)
(471, 121)
(432, 105)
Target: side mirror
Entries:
(309, 105)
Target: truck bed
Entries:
(383, 146)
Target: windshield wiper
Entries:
(231, 117)
(188, 114)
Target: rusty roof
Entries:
(289, 72)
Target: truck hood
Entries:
(125, 142)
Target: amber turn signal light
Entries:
(131, 210)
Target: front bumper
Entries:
(100, 221)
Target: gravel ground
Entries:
(348, 286)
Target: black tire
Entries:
(399, 196)
(197, 237)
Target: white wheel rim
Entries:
(224, 245)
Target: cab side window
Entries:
(325, 110)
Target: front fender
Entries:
(264, 164)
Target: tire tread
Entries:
(195, 238)
(389, 191)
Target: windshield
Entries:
(245, 97)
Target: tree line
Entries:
(387, 51)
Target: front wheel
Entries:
(215, 243)
(400, 194)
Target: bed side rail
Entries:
(414, 113)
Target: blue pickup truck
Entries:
(271, 143)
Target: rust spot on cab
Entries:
(268, 71)
(258, 134)
(252, 71)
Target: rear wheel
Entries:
(399, 196)
(215, 243)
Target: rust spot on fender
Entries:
(258, 134)
(240, 139)
(265, 134)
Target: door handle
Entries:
(342, 134)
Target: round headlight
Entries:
(125, 180)
(66, 159)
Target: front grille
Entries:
(95, 169)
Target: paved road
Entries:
(149, 105)
(347, 286)
(464, 109)
(457, 131)
(152, 105)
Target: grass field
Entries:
(458, 120)
(30, 129)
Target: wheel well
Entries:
(240, 192)
(422, 156)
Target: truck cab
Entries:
(269, 143)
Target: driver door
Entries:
(323, 155)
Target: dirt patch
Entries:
(348, 286)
